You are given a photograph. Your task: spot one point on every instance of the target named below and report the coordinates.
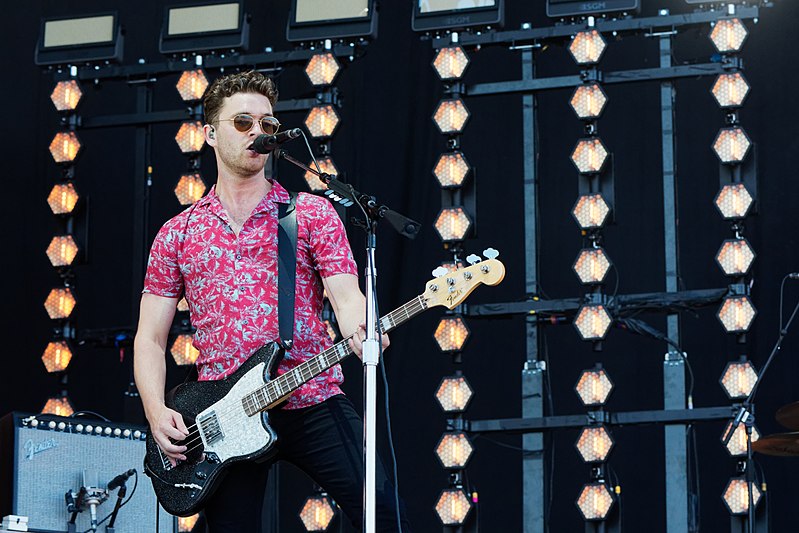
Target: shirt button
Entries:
(238, 256)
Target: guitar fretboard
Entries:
(280, 387)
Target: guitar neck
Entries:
(280, 387)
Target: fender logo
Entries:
(454, 295)
(32, 449)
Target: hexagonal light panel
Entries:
(186, 523)
(451, 334)
(453, 506)
(454, 450)
(66, 95)
(735, 257)
(736, 314)
(587, 47)
(736, 496)
(592, 322)
(454, 394)
(736, 447)
(331, 330)
(190, 137)
(451, 116)
(591, 211)
(317, 513)
(322, 121)
(728, 35)
(592, 265)
(738, 379)
(450, 63)
(183, 305)
(322, 69)
(594, 387)
(731, 145)
(59, 406)
(190, 188)
(595, 501)
(588, 101)
(730, 90)
(62, 250)
(62, 198)
(59, 303)
(594, 444)
(451, 169)
(734, 201)
(191, 85)
(183, 351)
(589, 155)
(65, 147)
(56, 356)
(453, 224)
(327, 166)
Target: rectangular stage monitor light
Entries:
(431, 15)
(204, 27)
(79, 40)
(576, 8)
(316, 20)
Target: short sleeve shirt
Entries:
(230, 283)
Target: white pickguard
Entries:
(243, 434)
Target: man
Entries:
(222, 254)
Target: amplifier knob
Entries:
(51, 424)
(126, 433)
(136, 434)
(89, 428)
(34, 422)
(117, 432)
(107, 431)
(62, 426)
(79, 428)
(98, 429)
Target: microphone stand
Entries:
(346, 195)
(746, 416)
(123, 489)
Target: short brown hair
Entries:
(240, 82)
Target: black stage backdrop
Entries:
(387, 144)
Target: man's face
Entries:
(230, 144)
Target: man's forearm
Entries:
(149, 370)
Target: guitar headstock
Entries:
(451, 287)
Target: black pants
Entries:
(325, 442)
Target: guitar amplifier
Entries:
(42, 457)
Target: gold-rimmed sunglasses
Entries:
(244, 123)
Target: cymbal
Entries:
(788, 415)
(779, 444)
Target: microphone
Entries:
(120, 480)
(263, 144)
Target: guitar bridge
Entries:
(209, 425)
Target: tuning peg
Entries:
(491, 253)
(473, 259)
(440, 271)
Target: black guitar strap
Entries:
(286, 269)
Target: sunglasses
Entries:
(244, 123)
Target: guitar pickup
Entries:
(209, 425)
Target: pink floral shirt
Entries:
(230, 283)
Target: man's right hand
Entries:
(169, 425)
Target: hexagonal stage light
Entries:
(190, 137)
(183, 351)
(453, 506)
(450, 63)
(453, 224)
(592, 322)
(594, 387)
(728, 35)
(738, 379)
(730, 90)
(331, 330)
(56, 356)
(327, 166)
(731, 145)
(317, 512)
(62, 250)
(589, 156)
(594, 444)
(59, 303)
(186, 523)
(59, 406)
(736, 314)
(736, 447)
(591, 266)
(451, 116)
(588, 101)
(190, 188)
(65, 147)
(735, 257)
(183, 305)
(62, 198)
(322, 69)
(595, 501)
(66, 95)
(454, 450)
(191, 85)
(322, 121)
(454, 394)
(591, 211)
(736, 496)
(451, 334)
(587, 47)
(734, 201)
(451, 169)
